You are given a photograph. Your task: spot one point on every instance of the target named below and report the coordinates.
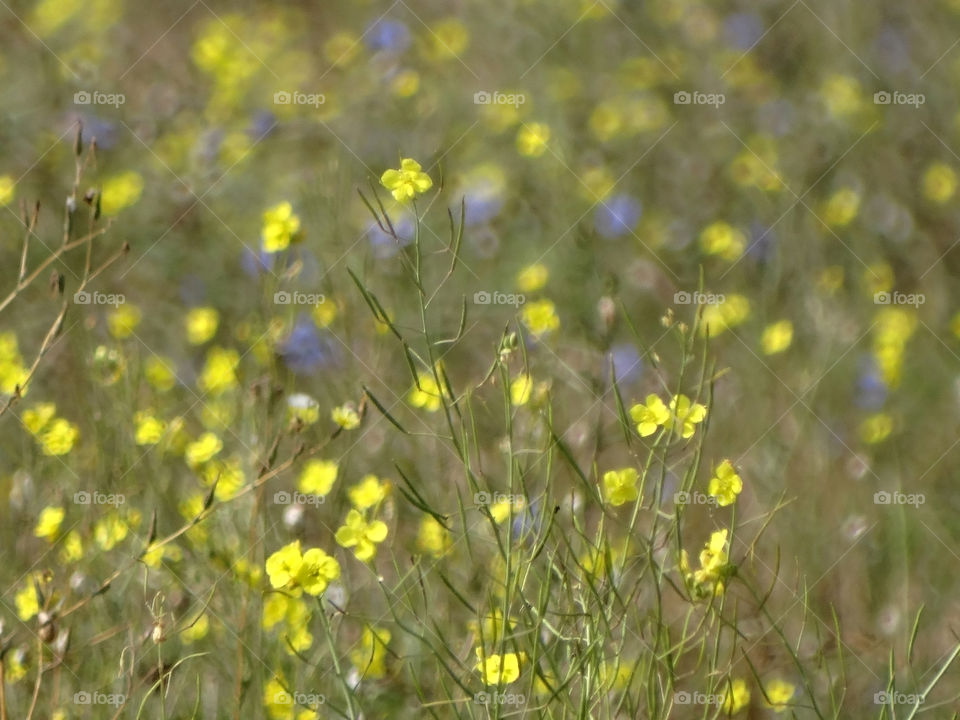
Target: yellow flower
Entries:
(149, 430)
(364, 536)
(155, 555)
(311, 571)
(433, 538)
(842, 95)
(841, 208)
(35, 419)
(876, 428)
(48, 524)
(72, 548)
(448, 38)
(719, 317)
(280, 227)
(220, 372)
(120, 191)
(498, 669)
(197, 630)
(110, 531)
(318, 477)
(708, 580)
(685, 413)
(776, 337)
(368, 492)
(533, 277)
(201, 324)
(520, 390)
(341, 49)
(540, 317)
(725, 485)
(407, 182)
(304, 408)
(650, 416)
(428, 395)
(939, 183)
(737, 697)
(532, 139)
(620, 486)
(779, 692)
(228, 474)
(203, 449)
(502, 509)
(124, 320)
(159, 373)
(346, 416)
(490, 628)
(324, 313)
(27, 602)
(59, 438)
(369, 657)
(6, 190)
(723, 240)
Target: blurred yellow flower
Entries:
(149, 430)
(318, 476)
(407, 182)
(346, 416)
(520, 390)
(433, 538)
(620, 486)
(498, 669)
(220, 371)
(341, 49)
(939, 183)
(71, 549)
(724, 240)
(6, 190)
(725, 484)
(197, 630)
(842, 95)
(201, 324)
(110, 531)
(368, 492)
(26, 601)
(280, 227)
(291, 570)
(532, 277)
(405, 83)
(59, 438)
(428, 395)
(736, 698)
(716, 318)
(357, 532)
(324, 313)
(124, 320)
(120, 192)
(776, 337)
(368, 658)
(532, 139)
(540, 317)
(841, 208)
(876, 428)
(203, 449)
(159, 372)
(447, 39)
(35, 419)
(229, 476)
(779, 692)
(48, 523)
(304, 408)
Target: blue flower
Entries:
(871, 390)
(627, 364)
(305, 349)
(261, 124)
(617, 216)
(527, 522)
(762, 244)
(743, 30)
(256, 262)
(388, 35)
